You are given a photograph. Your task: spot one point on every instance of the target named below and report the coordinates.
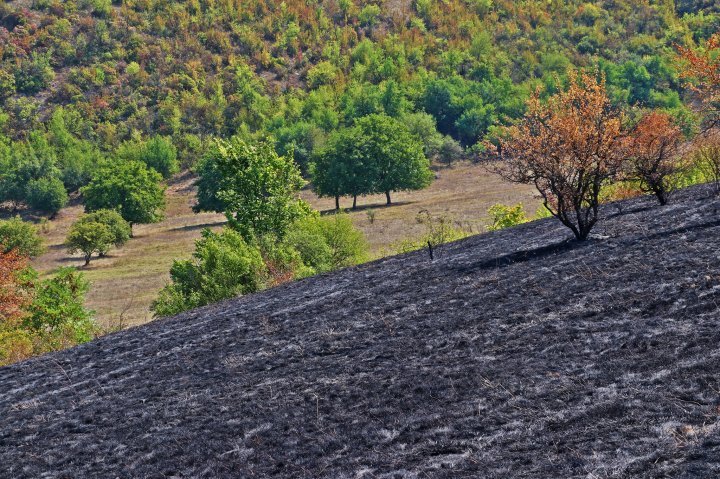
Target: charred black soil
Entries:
(512, 354)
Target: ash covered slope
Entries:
(511, 355)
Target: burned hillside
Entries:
(518, 353)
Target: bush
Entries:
(47, 194)
(328, 243)
(224, 265)
(57, 313)
(21, 236)
(504, 216)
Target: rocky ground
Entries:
(512, 354)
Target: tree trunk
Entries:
(337, 203)
(387, 196)
(87, 259)
(354, 201)
(132, 235)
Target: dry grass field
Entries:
(126, 281)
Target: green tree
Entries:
(21, 236)
(130, 188)
(253, 185)
(395, 157)
(119, 228)
(89, 238)
(340, 168)
(224, 265)
(46, 194)
(57, 313)
(158, 153)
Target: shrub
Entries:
(654, 161)
(568, 148)
(224, 265)
(34, 74)
(504, 216)
(158, 153)
(47, 194)
(707, 159)
(57, 313)
(20, 236)
(327, 243)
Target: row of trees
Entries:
(378, 154)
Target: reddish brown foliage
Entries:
(702, 71)
(12, 295)
(568, 148)
(653, 150)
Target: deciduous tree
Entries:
(568, 148)
(701, 69)
(653, 155)
(253, 185)
(130, 188)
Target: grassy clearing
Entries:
(125, 283)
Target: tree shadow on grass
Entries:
(200, 226)
(375, 206)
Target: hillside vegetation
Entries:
(513, 354)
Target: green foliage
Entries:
(504, 216)
(89, 238)
(130, 188)
(46, 194)
(57, 313)
(439, 229)
(327, 243)
(253, 185)
(21, 236)
(115, 223)
(224, 265)
(377, 155)
(34, 74)
(158, 153)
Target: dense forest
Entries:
(105, 101)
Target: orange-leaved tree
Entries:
(701, 69)
(654, 162)
(568, 148)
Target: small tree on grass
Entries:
(89, 238)
(653, 150)
(128, 187)
(20, 236)
(395, 157)
(568, 148)
(119, 228)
